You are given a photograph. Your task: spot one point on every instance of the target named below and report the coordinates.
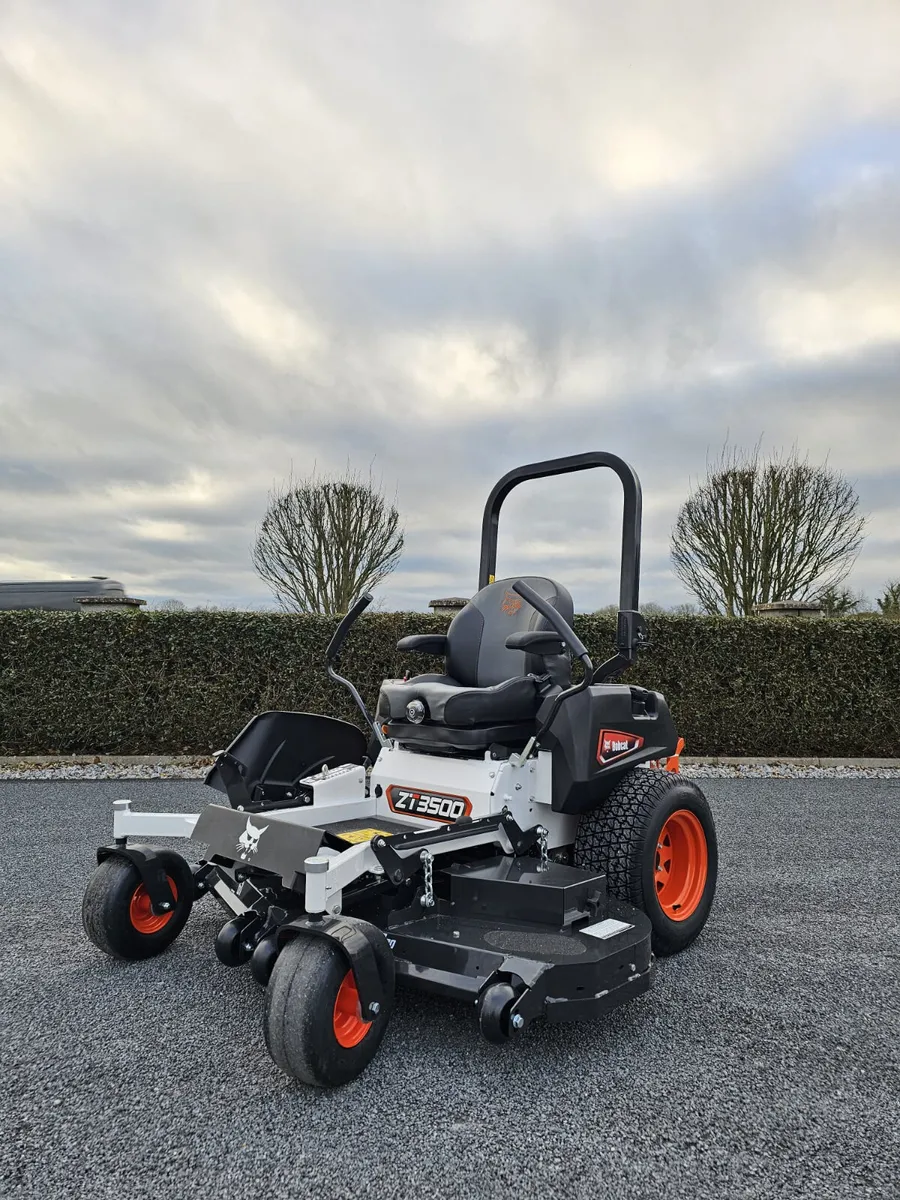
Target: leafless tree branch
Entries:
(755, 532)
(324, 541)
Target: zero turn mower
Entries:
(504, 833)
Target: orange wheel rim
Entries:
(143, 918)
(349, 1027)
(682, 864)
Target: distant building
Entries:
(66, 594)
(449, 606)
(789, 608)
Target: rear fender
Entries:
(599, 735)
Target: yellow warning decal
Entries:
(355, 836)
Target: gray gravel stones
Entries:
(763, 1063)
(197, 769)
(786, 771)
(104, 770)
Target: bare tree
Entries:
(756, 532)
(889, 603)
(323, 541)
(840, 602)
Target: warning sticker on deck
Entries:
(606, 929)
(355, 836)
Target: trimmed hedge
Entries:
(173, 683)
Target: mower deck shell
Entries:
(519, 889)
(564, 974)
(509, 919)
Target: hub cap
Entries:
(143, 918)
(349, 1027)
(682, 861)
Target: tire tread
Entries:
(612, 838)
(298, 1014)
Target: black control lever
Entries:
(562, 627)
(631, 636)
(334, 649)
(340, 634)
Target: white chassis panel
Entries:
(129, 824)
(489, 786)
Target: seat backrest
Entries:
(476, 640)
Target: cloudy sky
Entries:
(440, 239)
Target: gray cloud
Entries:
(445, 239)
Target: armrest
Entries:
(543, 642)
(424, 643)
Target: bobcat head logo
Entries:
(511, 603)
(248, 842)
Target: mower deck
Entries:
(550, 930)
(569, 974)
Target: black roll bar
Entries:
(629, 577)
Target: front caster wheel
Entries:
(117, 914)
(263, 958)
(235, 941)
(315, 1029)
(494, 1008)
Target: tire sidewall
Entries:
(107, 901)
(300, 999)
(671, 936)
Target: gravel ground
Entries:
(198, 769)
(763, 1063)
(777, 770)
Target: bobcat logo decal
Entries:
(511, 603)
(248, 842)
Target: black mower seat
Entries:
(448, 702)
(485, 683)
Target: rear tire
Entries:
(655, 839)
(116, 911)
(314, 1028)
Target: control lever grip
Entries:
(559, 624)
(340, 634)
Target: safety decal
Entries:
(355, 836)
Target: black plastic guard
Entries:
(276, 749)
(151, 870)
(359, 942)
